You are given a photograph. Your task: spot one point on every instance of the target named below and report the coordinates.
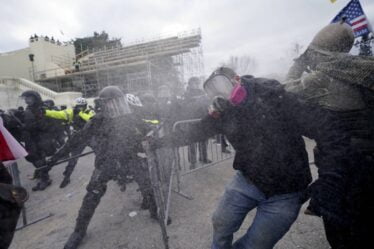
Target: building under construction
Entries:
(137, 67)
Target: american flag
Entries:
(354, 15)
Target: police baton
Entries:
(64, 160)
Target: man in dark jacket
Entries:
(265, 126)
(118, 134)
(327, 76)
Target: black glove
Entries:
(221, 104)
(13, 194)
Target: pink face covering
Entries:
(238, 95)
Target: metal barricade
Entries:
(197, 156)
(161, 166)
(166, 163)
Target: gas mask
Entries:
(219, 85)
(225, 93)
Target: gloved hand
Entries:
(14, 194)
(221, 104)
(218, 106)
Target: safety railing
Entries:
(200, 155)
(167, 164)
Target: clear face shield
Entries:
(113, 107)
(219, 85)
(28, 100)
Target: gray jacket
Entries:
(334, 80)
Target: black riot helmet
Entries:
(112, 102)
(32, 98)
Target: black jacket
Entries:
(111, 139)
(37, 134)
(266, 133)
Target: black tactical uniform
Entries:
(117, 142)
(38, 141)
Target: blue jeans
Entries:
(273, 219)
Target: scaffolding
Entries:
(137, 67)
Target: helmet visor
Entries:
(114, 107)
(218, 85)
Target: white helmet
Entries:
(133, 100)
(80, 101)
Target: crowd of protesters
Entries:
(328, 97)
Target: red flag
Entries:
(10, 149)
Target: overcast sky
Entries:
(264, 29)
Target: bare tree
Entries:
(295, 50)
(241, 64)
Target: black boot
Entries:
(65, 182)
(74, 240)
(42, 184)
(145, 204)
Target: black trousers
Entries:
(357, 230)
(106, 170)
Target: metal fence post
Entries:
(14, 171)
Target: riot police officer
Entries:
(37, 138)
(118, 134)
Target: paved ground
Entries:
(113, 228)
